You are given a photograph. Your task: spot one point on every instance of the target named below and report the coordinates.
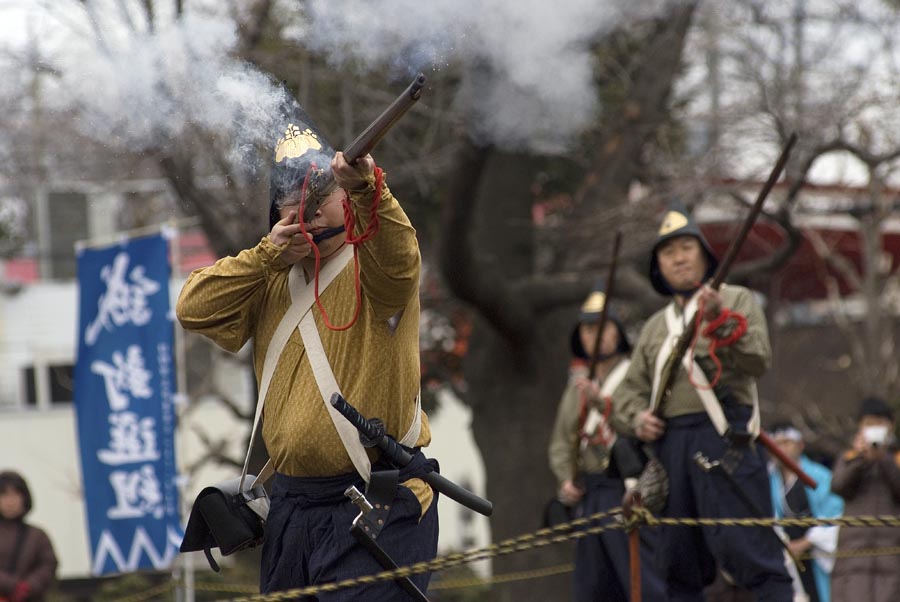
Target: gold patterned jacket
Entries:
(375, 362)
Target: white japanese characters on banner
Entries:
(124, 404)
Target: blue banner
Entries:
(124, 388)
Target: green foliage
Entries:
(460, 575)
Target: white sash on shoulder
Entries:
(303, 296)
(594, 418)
(327, 383)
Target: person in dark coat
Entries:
(27, 561)
(867, 476)
(580, 457)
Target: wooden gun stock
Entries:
(788, 462)
(604, 313)
(595, 351)
(373, 134)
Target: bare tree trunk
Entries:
(516, 366)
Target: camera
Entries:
(875, 435)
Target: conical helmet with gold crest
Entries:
(299, 151)
(678, 222)
(590, 313)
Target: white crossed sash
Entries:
(594, 418)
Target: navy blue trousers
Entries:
(308, 540)
(751, 555)
(602, 570)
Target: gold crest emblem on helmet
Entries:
(673, 221)
(295, 143)
(594, 303)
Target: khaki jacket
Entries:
(742, 363)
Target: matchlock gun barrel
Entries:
(372, 135)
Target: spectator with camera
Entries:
(867, 476)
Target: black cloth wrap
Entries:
(323, 491)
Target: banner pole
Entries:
(186, 589)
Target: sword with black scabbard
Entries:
(372, 434)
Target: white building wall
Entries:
(37, 326)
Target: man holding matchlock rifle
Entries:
(579, 452)
(342, 254)
(702, 431)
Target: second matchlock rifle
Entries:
(673, 362)
(596, 349)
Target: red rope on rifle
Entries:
(349, 225)
(373, 225)
(716, 342)
(739, 329)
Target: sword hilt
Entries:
(358, 499)
(397, 455)
(704, 463)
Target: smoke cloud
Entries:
(528, 76)
(143, 90)
(527, 66)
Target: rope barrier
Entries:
(536, 539)
(845, 521)
(461, 583)
(467, 582)
(858, 553)
(575, 529)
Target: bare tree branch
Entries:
(837, 261)
(773, 261)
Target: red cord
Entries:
(739, 329)
(715, 342)
(349, 224)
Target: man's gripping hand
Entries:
(352, 176)
(711, 301)
(648, 426)
(570, 493)
(287, 232)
